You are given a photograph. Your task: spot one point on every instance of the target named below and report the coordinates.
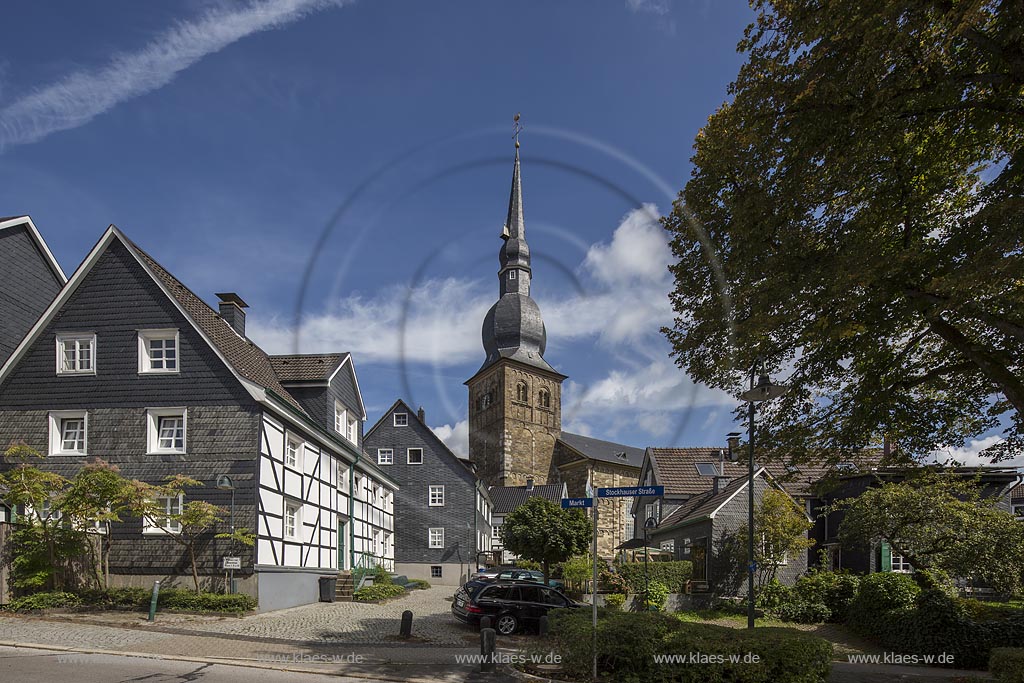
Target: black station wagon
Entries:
(511, 605)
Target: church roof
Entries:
(505, 499)
(607, 451)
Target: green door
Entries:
(342, 537)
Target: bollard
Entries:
(487, 645)
(485, 622)
(153, 600)
(543, 628)
(406, 624)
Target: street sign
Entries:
(631, 492)
(232, 563)
(577, 503)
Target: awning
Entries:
(631, 544)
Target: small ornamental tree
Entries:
(195, 519)
(939, 521)
(781, 530)
(38, 493)
(542, 531)
(95, 499)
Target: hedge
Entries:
(930, 622)
(378, 591)
(184, 600)
(173, 599)
(1007, 664)
(673, 574)
(50, 600)
(629, 642)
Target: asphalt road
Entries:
(26, 665)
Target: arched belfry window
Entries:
(522, 394)
(544, 398)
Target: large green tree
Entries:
(855, 218)
(540, 530)
(940, 521)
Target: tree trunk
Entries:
(544, 570)
(195, 570)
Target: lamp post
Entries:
(224, 483)
(764, 390)
(648, 525)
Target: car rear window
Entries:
(473, 587)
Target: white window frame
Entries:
(153, 416)
(291, 439)
(145, 357)
(77, 337)
(340, 417)
(149, 527)
(669, 545)
(435, 501)
(435, 540)
(897, 559)
(342, 469)
(404, 422)
(408, 456)
(353, 430)
(389, 452)
(296, 507)
(512, 274)
(56, 419)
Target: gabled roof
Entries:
(607, 451)
(1018, 492)
(15, 221)
(505, 499)
(307, 367)
(414, 415)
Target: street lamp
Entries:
(764, 390)
(651, 523)
(224, 483)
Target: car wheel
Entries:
(507, 624)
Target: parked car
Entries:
(516, 574)
(511, 605)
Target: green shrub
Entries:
(835, 590)
(771, 596)
(655, 596)
(1007, 664)
(116, 598)
(51, 600)
(378, 591)
(612, 581)
(381, 576)
(615, 600)
(628, 643)
(184, 600)
(417, 584)
(673, 574)
(802, 612)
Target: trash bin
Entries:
(328, 585)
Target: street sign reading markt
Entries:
(631, 492)
(577, 503)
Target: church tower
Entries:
(515, 398)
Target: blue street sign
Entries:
(752, 567)
(631, 492)
(577, 502)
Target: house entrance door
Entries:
(699, 557)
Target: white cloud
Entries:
(660, 9)
(970, 454)
(456, 437)
(79, 97)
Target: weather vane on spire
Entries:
(517, 128)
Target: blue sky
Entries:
(231, 139)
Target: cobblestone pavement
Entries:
(30, 630)
(353, 622)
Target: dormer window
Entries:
(340, 418)
(76, 354)
(158, 351)
(353, 429)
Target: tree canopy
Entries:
(540, 530)
(854, 218)
(940, 521)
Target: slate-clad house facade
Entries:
(130, 366)
(444, 510)
(30, 278)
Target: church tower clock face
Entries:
(515, 398)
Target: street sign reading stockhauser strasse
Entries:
(577, 502)
(631, 492)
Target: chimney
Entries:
(422, 415)
(714, 485)
(232, 311)
(529, 483)
(734, 445)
